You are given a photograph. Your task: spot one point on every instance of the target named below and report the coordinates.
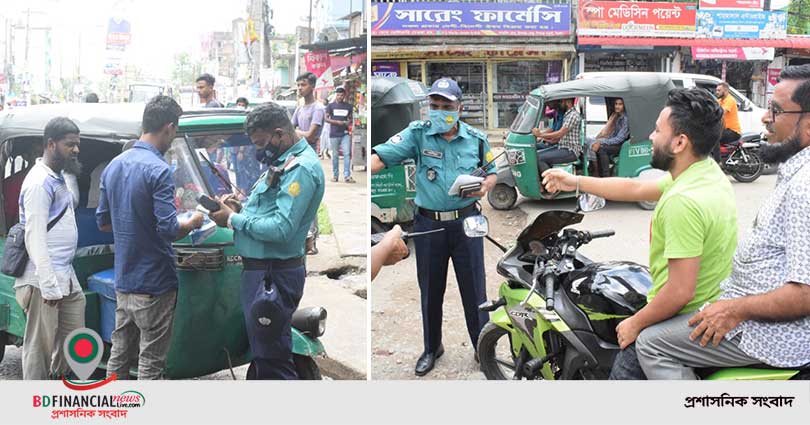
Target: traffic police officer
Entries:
(269, 234)
(443, 148)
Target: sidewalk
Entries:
(336, 277)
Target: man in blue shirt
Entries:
(444, 148)
(270, 233)
(136, 203)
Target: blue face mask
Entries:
(443, 121)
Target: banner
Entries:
(631, 19)
(510, 19)
(741, 53)
(317, 62)
(385, 69)
(119, 35)
(731, 4)
(741, 24)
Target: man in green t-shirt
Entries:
(694, 227)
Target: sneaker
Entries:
(334, 179)
(349, 180)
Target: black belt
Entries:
(449, 215)
(264, 264)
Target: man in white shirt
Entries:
(49, 291)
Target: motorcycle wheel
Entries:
(494, 367)
(748, 171)
(306, 368)
(502, 197)
(378, 227)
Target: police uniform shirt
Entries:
(274, 222)
(439, 162)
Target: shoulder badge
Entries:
(294, 189)
(418, 124)
(395, 139)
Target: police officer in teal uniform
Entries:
(269, 233)
(443, 148)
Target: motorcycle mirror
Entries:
(476, 226)
(588, 202)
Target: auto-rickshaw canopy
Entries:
(395, 102)
(101, 121)
(644, 96)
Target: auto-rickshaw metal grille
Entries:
(200, 259)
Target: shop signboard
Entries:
(632, 19)
(731, 4)
(446, 18)
(723, 23)
(773, 78)
(739, 53)
(385, 69)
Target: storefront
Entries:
(600, 23)
(496, 68)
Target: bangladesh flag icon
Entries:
(83, 350)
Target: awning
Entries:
(790, 42)
(478, 51)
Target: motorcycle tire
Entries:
(502, 197)
(487, 344)
(306, 368)
(3, 342)
(378, 227)
(748, 176)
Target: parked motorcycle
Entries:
(557, 311)
(741, 160)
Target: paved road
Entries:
(396, 319)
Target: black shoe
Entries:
(427, 361)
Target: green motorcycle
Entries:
(556, 314)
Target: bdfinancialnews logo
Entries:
(83, 350)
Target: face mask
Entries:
(443, 121)
(267, 154)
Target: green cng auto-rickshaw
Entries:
(644, 97)
(395, 102)
(211, 155)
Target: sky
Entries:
(160, 28)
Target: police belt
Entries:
(449, 215)
(265, 264)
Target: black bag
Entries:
(15, 256)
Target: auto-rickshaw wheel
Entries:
(378, 227)
(3, 341)
(306, 368)
(502, 197)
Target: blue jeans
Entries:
(626, 366)
(346, 146)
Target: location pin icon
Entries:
(83, 350)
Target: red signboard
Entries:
(731, 4)
(632, 19)
(317, 62)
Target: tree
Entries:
(185, 70)
(799, 17)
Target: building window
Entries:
(515, 80)
(471, 78)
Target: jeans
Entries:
(605, 153)
(728, 136)
(143, 329)
(548, 157)
(345, 144)
(626, 365)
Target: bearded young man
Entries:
(694, 226)
(49, 291)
